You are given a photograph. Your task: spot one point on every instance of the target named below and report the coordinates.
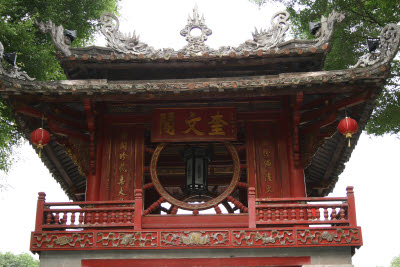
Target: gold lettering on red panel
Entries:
(167, 123)
(191, 123)
(194, 124)
(267, 164)
(123, 155)
(217, 125)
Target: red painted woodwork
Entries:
(250, 155)
(303, 211)
(195, 238)
(198, 262)
(89, 214)
(352, 205)
(119, 160)
(195, 221)
(252, 207)
(97, 225)
(194, 124)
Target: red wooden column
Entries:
(252, 207)
(352, 206)
(91, 186)
(297, 183)
(250, 156)
(138, 209)
(251, 175)
(99, 154)
(39, 211)
(139, 168)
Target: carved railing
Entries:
(90, 214)
(332, 211)
(279, 212)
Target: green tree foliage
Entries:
(395, 262)
(36, 53)
(364, 18)
(22, 260)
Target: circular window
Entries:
(223, 174)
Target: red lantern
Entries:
(348, 127)
(40, 137)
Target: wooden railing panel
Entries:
(79, 215)
(307, 211)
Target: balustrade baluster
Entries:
(326, 216)
(48, 217)
(117, 217)
(293, 216)
(309, 214)
(64, 219)
(112, 219)
(73, 218)
(121, 216)
(125, 216)
(285, 214)
(105, 217)
(56, 218)
(269, 214)
(318, 214)
(260, 214)
(301, 214)
(81, 217)
(89, 217)
(334, 214)
(96, 217)
(342, 214)
(129, 216)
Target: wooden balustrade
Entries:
(306, 211)
(280, 212)
(91, 214)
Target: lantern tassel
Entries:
(349, 142)
(40, 153)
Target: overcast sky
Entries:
(373, 169)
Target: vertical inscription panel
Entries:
(118, 175)
(267, 162)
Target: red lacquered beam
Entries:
(306, 199)
(310, 205)
(304, 222)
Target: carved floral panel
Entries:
(194, 239)
(126, 239)
(328, 237)
(264, 238)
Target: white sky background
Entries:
(373, 169)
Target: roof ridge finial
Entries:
(197, 37)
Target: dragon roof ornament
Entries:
(123, 43)
(273, 37)
(389, 45)
(266, 39)
(11, 70)
(60, 41)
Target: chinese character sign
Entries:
(194, 124)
